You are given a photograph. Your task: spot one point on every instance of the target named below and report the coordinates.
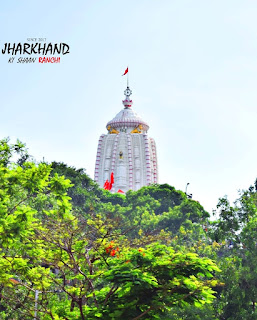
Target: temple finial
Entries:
(128, 92)
(127, 102)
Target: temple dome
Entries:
(127, 118)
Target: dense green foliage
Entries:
(71, 250)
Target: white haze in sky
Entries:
(192, 70)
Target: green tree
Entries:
(235, 232)
(84, 266)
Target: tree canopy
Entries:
(71, 250)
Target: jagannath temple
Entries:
(126, 156)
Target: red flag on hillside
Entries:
(126, 71)
(111, 181)
(112, 178)
(107, 185)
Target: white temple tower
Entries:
(127, 151)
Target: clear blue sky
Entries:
(193, 72)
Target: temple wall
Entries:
(131, 157)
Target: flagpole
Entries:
(126, 72)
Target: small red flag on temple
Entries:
(126, 71)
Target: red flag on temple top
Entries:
(120, 191)
(126, 71)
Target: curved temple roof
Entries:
(127, 118)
